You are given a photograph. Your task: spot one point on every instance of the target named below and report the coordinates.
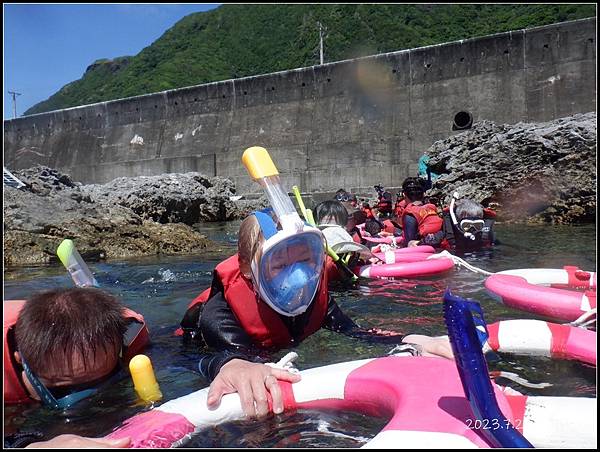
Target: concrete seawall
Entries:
(347, 124)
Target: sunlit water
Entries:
(161, 288)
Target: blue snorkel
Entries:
(466, 340)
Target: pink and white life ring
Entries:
(406, 269)
(426, 410)
(409, 254)
(389, 257)
(539, 338)
(389, 240)
(530, 289)
(408, 250)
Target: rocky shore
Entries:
(127, 217)
(529, 172)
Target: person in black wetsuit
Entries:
(245, 322)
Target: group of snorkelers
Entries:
(271, 295)
(463, 226)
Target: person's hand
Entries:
(78, 442)
(251, 381)
(413, 243)
(431, 346)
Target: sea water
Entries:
(160, 288)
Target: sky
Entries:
(47, 46)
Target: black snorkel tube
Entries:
(466, 340)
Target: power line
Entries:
(14, 96)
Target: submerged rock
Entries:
(534, 172)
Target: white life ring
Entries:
(423, 396)
(539, 338)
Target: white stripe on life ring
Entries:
(333, 386)
(526, 337)
(407, 439)
(558, 422)
(540, 276)
(585, 303)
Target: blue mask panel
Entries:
(290, 271)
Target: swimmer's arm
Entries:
(410, 228)
(219, 327)
(339, 322)
(210, 364)
(430, 346)
(221, 331)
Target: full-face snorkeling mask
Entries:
(288, 271)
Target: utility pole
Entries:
(14, 96)
(320, 40)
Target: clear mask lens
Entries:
(289, 272)
(473, 226)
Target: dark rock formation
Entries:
(170, 198)
(534, 172)
(118, 220)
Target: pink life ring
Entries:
(406, 269)
(426, 410)
(386, 240)
(408, 250)
(389, 257)
(536, 337)
(527, 289)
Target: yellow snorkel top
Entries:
(144, 381)
(71, 259)
(258, 163)
(261, 168)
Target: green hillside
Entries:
(240, 40)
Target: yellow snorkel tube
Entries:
(71, 259)
(261, 168)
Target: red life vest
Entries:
(333, 273)
(368, 212)
(427, 218)
(388, 226)
(385, 205)
(14, 391)
(262, 323)
(399, 207)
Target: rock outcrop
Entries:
(124, 218)
(533, 172)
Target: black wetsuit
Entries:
(214, 324)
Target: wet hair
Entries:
(331, 212)
(341, 195)
(467, 208)
(413, 189)
(56, 326)
(359, 216)
(250, 239)
(372, 227)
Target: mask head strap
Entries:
(266, 223)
